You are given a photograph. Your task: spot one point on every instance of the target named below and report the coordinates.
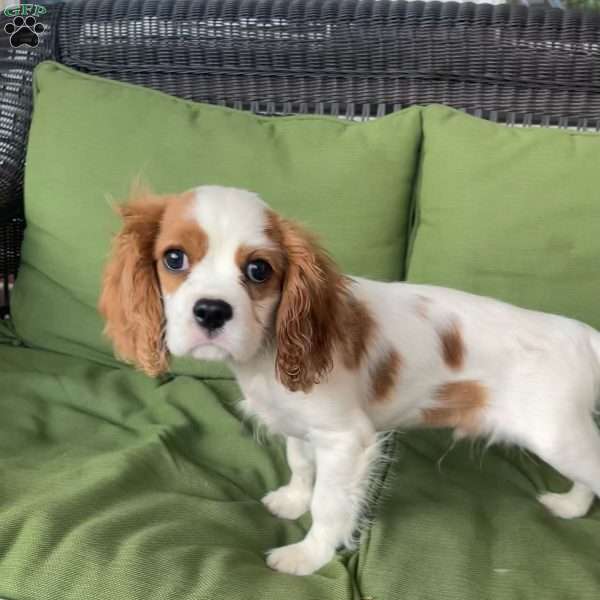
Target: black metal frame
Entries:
(353, 58)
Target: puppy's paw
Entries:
(569, 505)
(287, 502)
(302, 558)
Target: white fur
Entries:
(541, 373)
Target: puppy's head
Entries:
(215, 274)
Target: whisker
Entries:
(446, 452)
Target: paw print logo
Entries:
(24, 32)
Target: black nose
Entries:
(212, 314)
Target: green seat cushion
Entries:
(509, 212)
(90, 138)
(117, 486)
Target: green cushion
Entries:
(91, 137)
(508, 212)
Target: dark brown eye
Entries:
(176, 260)
(258, 270)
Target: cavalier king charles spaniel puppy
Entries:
(328, 360)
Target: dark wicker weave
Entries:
(344, 57)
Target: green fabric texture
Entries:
(464, 524)
(508, 212)
(91, 138)
(118, 486)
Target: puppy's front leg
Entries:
(343, 461)
(293, 500)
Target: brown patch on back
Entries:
(385, 375)
(179, 230)
(459, 406)
(453, 349)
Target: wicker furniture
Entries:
(351, 58)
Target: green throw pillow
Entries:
(509, 212)
(90, 138)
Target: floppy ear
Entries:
(130, 299)
(308, 318)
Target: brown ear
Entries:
(130, 299)
(312, 302)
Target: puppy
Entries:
(328, 360)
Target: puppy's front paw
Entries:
(287, 502)
(568, 505)
(302, 558)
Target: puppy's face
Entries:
(215, 274)
(220, 272)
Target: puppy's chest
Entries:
(280, 412)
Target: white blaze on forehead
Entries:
(231, 218)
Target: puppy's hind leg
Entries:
(574, 451)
